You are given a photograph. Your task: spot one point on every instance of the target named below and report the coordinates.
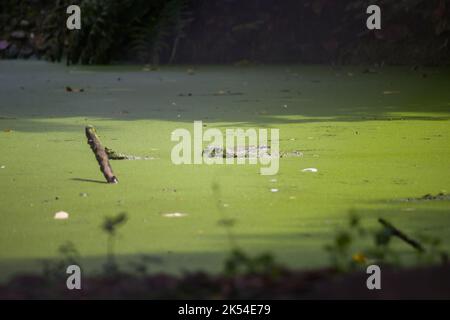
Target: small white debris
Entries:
(273, 190)
(310, 170)
(226, 205)
(61, 215)
(2, 167)
(273, 180)
(174, 215)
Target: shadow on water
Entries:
(264, 95)
(287, 249)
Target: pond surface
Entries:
(374, 138)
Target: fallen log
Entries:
(100, 154)
(399, 234)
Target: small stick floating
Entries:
(100, 154)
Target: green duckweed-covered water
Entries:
(375, 138)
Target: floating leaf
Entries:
(61, 215)
(174, 215)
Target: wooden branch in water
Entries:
(399, 234)
(100, 154)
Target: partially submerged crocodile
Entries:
(113, 155)
(246, 152)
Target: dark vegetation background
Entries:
(241, 32)
(227, 31)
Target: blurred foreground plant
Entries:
(110, 225)
(347, 254)
(55, 269)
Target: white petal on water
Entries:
(61, 215)
(310, 170)
(174, 215)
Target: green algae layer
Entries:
(376, 139)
